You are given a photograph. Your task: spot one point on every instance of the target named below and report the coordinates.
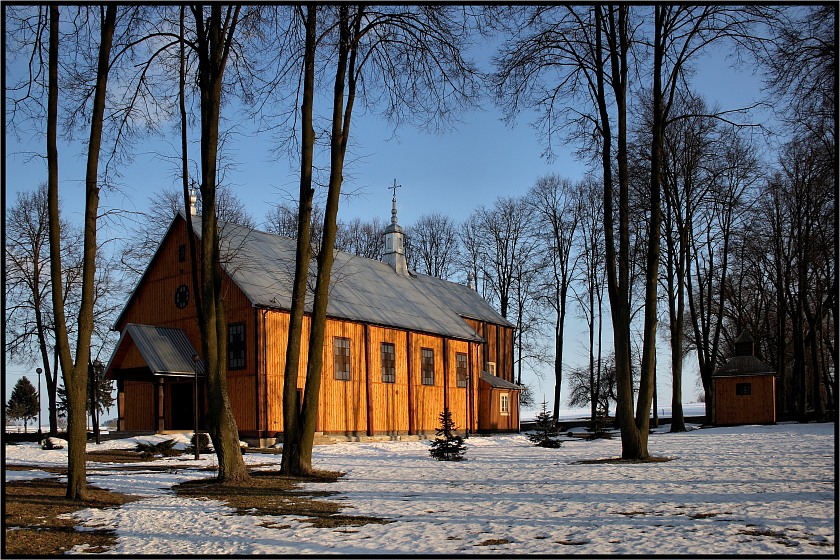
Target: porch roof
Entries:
(498, 382)
(165, 351)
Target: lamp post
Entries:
(39, 371)
(195, 405)
(97, 376)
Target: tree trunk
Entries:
(75, 374)
(648, 371)
(338, 145)
(291, 464)
(214, 42)
(614, 27)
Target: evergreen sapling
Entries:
(545, 430)
(447, 446)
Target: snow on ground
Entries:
(743, 490)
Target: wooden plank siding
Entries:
(389, 401)
(498, 347)
(759, 407)
(139, 411)
(490, 415)
(428, 399)
(343, 403)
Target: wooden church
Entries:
(399, 346)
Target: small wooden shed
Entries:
(498, 404)
(745, 388)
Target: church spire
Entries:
(394, 239)
(394, 187)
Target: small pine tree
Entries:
(447, 446)
(545, 430)
(203, 444)
(23, 404)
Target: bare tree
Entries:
(685, 171)
(556, 204)
(391, 57)
(282, 220)
(734, 174)
(575, 65)
(505, 234)
(75, 372)
(432, 245)
(473, 254)
(801, 65)
(146, 229)
(361, 238)
(215, 29)
(590, 276)
(30, 329)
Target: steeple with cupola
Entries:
(395, 239)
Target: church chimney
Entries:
(394, 240)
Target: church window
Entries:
(427, 366)
(461, 369)
(342, 358)
(389, 369)
(236, 346)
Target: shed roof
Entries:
(166, 351)
(743, 365)
(365, 290)
(498, 382)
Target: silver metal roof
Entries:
(498, 382)
(166, 351)
(743, 365)
(361, 289)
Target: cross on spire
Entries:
(394, 187)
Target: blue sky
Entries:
(451, 173)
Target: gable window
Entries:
(341, 352)
(389, 367)
(182, 252)
(504, 404)
(236, 346)
(491, 368)
(427, 366)
(461, 369)
(743, 389)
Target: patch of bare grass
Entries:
(493, 542)
(270, 493)
(620, 461)
(571, 543)
(33, 522)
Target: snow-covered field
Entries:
(728, 491)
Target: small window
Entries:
(427, 366)
(491, 368)
(182, 253)
(743, 389)
(504, 404)
(461, 369)
(236, 346)
(389, 363)
(342, 358)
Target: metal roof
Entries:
(498, 382)
(743, 365)
(361, 289)
(166, 351)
